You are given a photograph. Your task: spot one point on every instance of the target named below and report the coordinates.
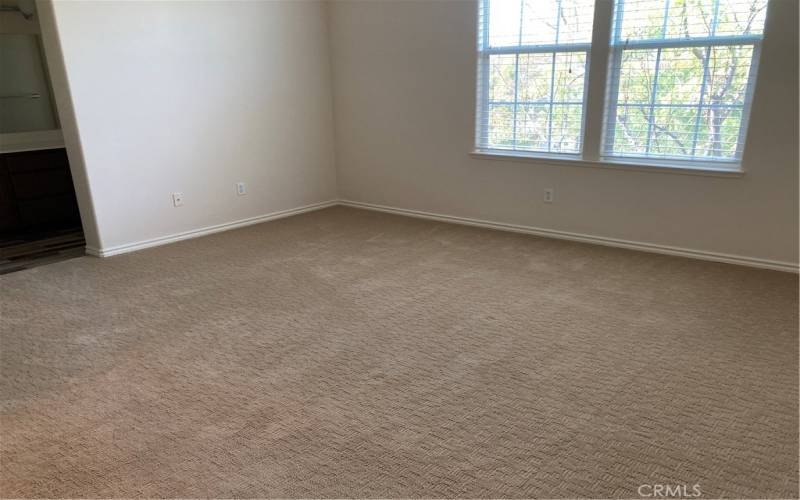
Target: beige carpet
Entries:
(346, 353)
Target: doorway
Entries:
(39, 218)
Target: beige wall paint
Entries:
(191, 97)
(404, 95)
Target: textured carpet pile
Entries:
(345, 353)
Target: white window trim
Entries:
(655, 166)
(594, 115)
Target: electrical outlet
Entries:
(549, 195)
(177, 199)
(241, 188)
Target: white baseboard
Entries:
(549, 233)
(194, 233)
(585, 238)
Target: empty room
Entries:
(399, 249)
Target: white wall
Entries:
(404, 94)
(191, 97)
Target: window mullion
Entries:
(701, 101)
(553, 83)
(651, 113)
(516, 103)
(674, 43)
(516, 78)
(596, 81)
(715, 19)
(550, 107)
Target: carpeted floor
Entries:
(346, 353)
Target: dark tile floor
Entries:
(36, 249)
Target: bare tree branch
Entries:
(664, 130)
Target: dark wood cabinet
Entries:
(36, 192)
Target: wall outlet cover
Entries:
(177, 199)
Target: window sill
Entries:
(607, 164)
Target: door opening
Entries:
(39, 218)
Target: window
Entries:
(533, 61)
(680, 77)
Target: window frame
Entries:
(596, 118)
(485, 51)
